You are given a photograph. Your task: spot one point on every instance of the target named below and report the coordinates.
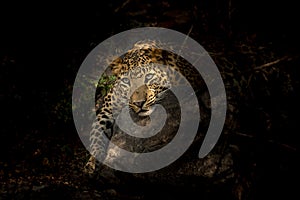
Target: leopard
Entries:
(140, 83)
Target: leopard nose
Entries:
(139, 103)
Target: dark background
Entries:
(42, 47)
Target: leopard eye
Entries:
(125, 80)
(149, 76)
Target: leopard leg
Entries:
(100, 135)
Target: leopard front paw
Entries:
(90, 166)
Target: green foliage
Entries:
(104, 84)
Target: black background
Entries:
(42, 47)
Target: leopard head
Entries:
(142, 87)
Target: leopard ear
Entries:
(116, 70)
(116, 66)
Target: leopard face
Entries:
(140, 88)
